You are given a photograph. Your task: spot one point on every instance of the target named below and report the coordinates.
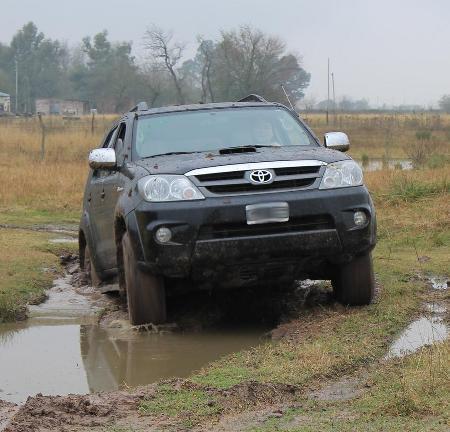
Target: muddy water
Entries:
(61, 350)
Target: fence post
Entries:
(93, 123)
(41, 123)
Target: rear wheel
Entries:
(354, 282)
(92, 277)
(145, 293)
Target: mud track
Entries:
(294, 313)
(199, 311)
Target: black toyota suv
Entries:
(223, 195)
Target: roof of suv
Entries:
(206, 106)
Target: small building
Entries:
(66, 107)
(5, 103)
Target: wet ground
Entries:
(80, 342)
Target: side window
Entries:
(119, 134)
(110, 138)
(120, 150)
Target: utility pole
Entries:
(328, 91)
(334, 98)
(17, 84)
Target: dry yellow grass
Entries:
(56, 183)
(379, 135)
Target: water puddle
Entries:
(426, 330)
(379, 164)
(420, 333)
(64, 303)
(439, 283)
(60, 240)
(61, 349)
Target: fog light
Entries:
(360, 218)
(163, 235)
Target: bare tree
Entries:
(250, 61)
(206, 52)
(166, 54)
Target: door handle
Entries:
(102, 195)
(119, 189)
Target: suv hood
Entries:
(181, 164)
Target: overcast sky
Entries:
(393, 51)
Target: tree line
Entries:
(108, 76)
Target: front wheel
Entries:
(145, 292)
(354, 282)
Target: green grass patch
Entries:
(27, 217)
(25, 261)
(189, 405)
(405, 188)
(409, 394)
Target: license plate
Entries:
(267, 213)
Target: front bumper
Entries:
(211, 238)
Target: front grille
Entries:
(288, 177)
(249, 187)
(233, 175)
(289, 171)
(241, 229)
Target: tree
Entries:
(106, 75)
(206, 57)
(444, 103)
(165, 54)
(40, 66)
(249, 61)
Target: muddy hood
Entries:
(181, 164)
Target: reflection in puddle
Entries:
(61, 349)
(57, 359)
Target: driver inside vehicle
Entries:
(263, 133)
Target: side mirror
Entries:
(120, 152)
(337, 141)
(102, 158)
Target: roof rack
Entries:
(141, 106)
(252, 98)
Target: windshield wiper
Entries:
(169, 153)
(244, 148)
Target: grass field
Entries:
(413, 209)
(55, 184)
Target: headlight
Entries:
(160, 188)
(342, 174)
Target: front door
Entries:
(113, 185)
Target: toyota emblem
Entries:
(261, 176)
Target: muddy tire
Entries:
(146, 295)
(354, 283)
(92, 277)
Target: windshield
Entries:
(217, 129)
